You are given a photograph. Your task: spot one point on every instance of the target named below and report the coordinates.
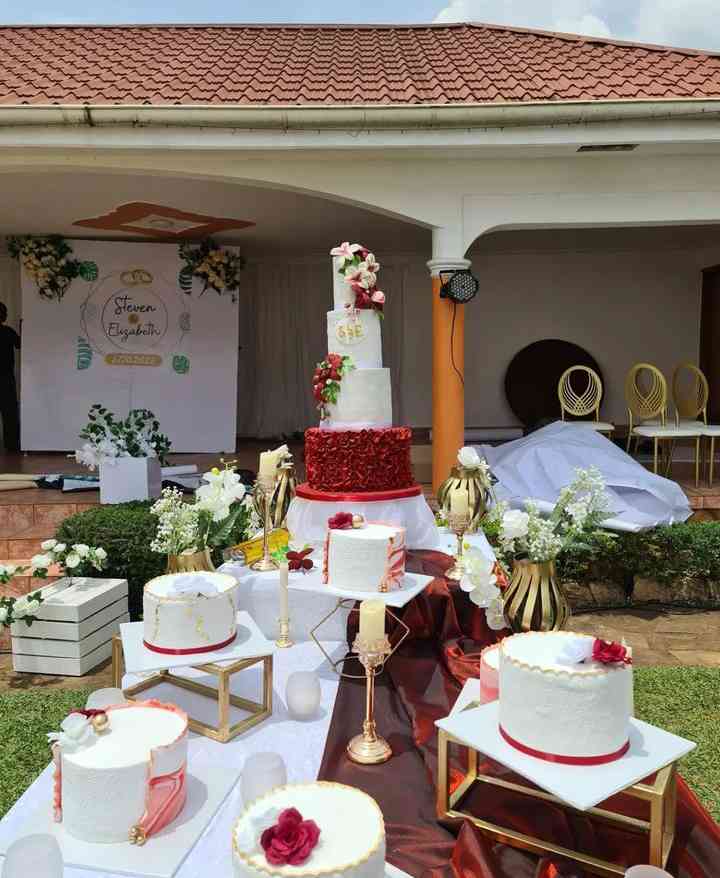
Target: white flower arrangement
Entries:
(109, 438)
(480, 583)
(76, 733)
(24, 608)
(469, 459)
(580, 509)
(222, 513)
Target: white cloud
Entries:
(687, 23)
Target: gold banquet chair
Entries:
(587, 402)
(646, 399)
(691, 393)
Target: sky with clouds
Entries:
(690, 23)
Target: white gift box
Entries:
(123, 479)
(74, 627)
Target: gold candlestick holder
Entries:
(459, 523)
(284, 640)
(265, 484)
(367, 748)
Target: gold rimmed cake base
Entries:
(660, 794)
(224, 731)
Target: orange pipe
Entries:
(448, 421)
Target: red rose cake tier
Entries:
(358, 460)
(356, 456)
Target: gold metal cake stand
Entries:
(224, 731)
(661, 795)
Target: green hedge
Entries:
(679, 552)
(125, 532)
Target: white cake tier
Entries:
(189, 611)
(352, 833)
(364, 401)
(104, 786)
(356, 334)
(370, 558)
(342, 293)
(551, 705)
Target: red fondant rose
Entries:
(340, 521)
(299, 560)
(291, 840)
(610, 652)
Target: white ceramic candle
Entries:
(102, 698)
(372, 620)
(302, 694)
(284, 609)
(262, 772)
(459, 502)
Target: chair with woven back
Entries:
(646, 399)
(581, 403)
(691, 393)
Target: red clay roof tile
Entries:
(334, 64)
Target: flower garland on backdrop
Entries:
(326, 381)
(221, 514)
(574, 522)
(50, 263)
(359, 269)
(109, 438)
(75, 560)
(219, 269)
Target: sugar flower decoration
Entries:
(76, 733)
(341, 521)
(610, 652)
(346, 250)
(291, 840)
(300, 560)
(576, 650)
(249, 834)
(479, 581)
(194, 584)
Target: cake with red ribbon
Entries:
(565, 697)
(357, 455)
(188, 613)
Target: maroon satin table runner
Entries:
(419, 685)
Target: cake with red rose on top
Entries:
(363, 556)
(312, 829)
(357, 455)
(565, 697)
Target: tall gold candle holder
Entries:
(459, 523)
(265, 484)
(367, 748)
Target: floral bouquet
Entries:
(483, 581)
(24, 608)
(326, 380)
(76, 560)
(217, 268)
(50, 263)
(108, 438)
(576, 519)
(359, 269)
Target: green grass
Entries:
(686, 701)
(25, 719)
(682, 700)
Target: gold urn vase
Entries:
(190, 562)
(478, 493)
(281, 496)
(534, 600)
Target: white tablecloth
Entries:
(301, 743)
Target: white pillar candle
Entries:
(372, 620)
(459, 502)
(284, 609)
(267, 464)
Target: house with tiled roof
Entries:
(577, 178)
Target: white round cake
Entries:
(128, 780)
(351, 841)
(356, 334)
(557, 703)
(186, 613)
(368, 558)
(364, 401)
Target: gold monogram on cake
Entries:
(349, 331)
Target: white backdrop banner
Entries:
(130, 338)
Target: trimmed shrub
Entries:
(125, 531)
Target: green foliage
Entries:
(125, 531)
(25, 720)
(679, 552)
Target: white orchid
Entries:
(479, 579)
(495, 614)
(468, 457)
(224, 487)
(76, 733)
(514, 525)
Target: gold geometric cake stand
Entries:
(661, 795)
(224, 731)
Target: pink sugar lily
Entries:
(357, 277)
(378, 297)
(346, 250)
(370, 264)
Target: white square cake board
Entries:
(162, 855)
(413, 584)
(582, 786)
(249, 643)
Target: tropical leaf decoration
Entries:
(181, 364)
(185, 279)
(88, 271)
(84, 354)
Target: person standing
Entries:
(9, 343)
